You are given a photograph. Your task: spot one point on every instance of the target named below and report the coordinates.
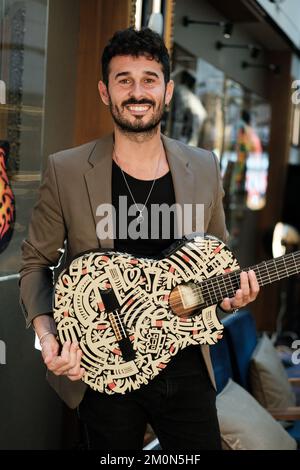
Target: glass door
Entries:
(22, 79)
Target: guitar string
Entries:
(212, 284)
(119, 318)
(231, 285)
(263, 279)
(259, 267)
(122, 315)
(231, 289)
(273, 274)
(210, 291)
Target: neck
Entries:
(140, 150)
(141, 158)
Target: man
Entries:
(146, 167)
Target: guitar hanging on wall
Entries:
(131, 315)
(7, 200)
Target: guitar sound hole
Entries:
(184, 300)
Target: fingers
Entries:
(238, 300)
(68, 358)
(248, 291)
(244, 286)
(77, 372)
(226, 304)
(254, 286)
(68, 363)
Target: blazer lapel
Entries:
(98, 181)
(183, 181)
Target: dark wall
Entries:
(30, 412)
(290, 211)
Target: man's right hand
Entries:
(67, 362)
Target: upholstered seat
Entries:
(244, 424)
(242, 339)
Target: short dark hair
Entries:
(144, 42)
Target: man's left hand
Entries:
(247, 292)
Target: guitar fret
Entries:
(237, 281)
(275, 264)
(282, 267)
(210, 298)
(266, 266)
(216, 297)
(232, 288)
(225, 293)
(221, 294)
(285, 266)
(258, 275)
(266, 272)
(293, 258)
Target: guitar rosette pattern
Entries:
(142, 289)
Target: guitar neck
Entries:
(216, 289)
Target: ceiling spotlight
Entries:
(254, 50)
(227, 29)
(227, 26)
(271, 67)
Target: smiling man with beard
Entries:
(139, 163)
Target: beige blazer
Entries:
(75, 182)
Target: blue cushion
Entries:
(294, 431)
(242, 339)
(221, 363)
(293, 371)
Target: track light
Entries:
(271, 67)
(227, 26)
(254, 50)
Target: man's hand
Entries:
(67, 362)
(247, 293)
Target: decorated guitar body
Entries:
(131, 315)
(7, 200)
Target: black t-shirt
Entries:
(189, 360)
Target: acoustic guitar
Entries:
(131, 315)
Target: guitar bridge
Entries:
(111, 305)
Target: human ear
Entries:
(169, 92)
(103, 92)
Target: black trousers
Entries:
(180, 409)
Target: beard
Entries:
(137, 127)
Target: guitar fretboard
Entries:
(215, 289)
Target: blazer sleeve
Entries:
(42, 249)
(217, 225)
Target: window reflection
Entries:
(22, 77)
(212, 111)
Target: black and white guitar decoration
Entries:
(131, 315)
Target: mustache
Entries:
(133, 101)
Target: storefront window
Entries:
(196, 116)
(245, 157)
(22, 78)
(212, 111)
